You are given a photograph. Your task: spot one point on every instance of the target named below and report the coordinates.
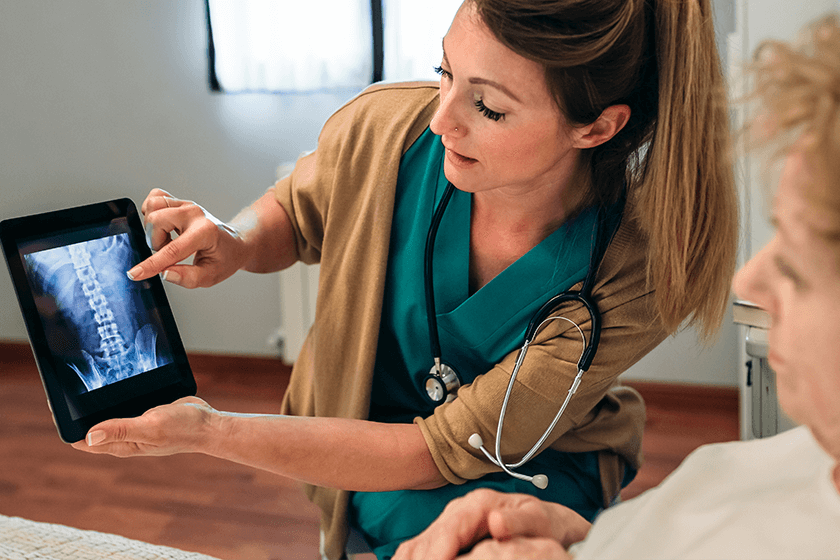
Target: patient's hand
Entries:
(518, 548)
(514, 523)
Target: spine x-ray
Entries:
(93, 314)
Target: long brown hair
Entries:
(659, 57)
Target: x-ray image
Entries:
(93, 314)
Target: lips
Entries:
(459, 159)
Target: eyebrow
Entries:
(782, 264)
(777, 225)
(483, 81)
(788, 271)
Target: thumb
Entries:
(95, 437)
(525, 519)
(110, 431)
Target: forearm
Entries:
(267, 233)
(339, 453)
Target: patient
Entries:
(773, 498)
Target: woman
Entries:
(546, 114)
(772, 498)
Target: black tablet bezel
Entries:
(127, 397)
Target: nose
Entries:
(446, 120)
(751, 282)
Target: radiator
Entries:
(763, 415)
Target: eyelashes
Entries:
(489, 113)
(479, 103)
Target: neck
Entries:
(837, 477)
(507, 223)
(534, 211)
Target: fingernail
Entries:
(95, 438)
(164, 274)
(171, 276)
(133, 273)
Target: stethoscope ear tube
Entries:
(594, 335)
(594, 316)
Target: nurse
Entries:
(545, 113)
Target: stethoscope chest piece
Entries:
(442, 384)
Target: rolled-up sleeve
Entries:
(593, 420)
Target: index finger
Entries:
(519, 547)
(532, 517)
(462, 523)
(169, 255)
(153, 195)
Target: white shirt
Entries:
(762, 499)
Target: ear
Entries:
(608, 124)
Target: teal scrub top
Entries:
(476, 331)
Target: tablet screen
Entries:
(105, 345)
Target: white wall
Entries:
(102, 99)
(763, 20)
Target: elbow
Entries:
(437, 481)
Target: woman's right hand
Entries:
(218, 249)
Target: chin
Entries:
(456, 179)
(466, 180)
(789, 405)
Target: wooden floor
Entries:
(198, 503)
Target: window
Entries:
(323, 45)
(413, 30)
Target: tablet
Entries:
(105, 346)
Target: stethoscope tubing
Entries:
(428, 266)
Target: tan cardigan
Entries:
(340, 200)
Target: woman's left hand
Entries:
(179, 427)
(356, 455)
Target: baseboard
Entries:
(656, 394)
(15, 353)
(230, 364)
(688, 397)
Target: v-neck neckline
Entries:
(543, 265)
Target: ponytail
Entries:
(686, 202)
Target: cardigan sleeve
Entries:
(600, 415)
(359, 145)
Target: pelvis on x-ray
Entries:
(94, 312)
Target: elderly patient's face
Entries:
(796, 278)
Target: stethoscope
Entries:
(442, 382)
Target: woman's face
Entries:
(499, 124)
(796, 279)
